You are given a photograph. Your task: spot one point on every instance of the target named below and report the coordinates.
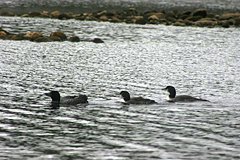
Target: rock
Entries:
(45, 14)
(199, 13)
(34, 14)
(159, 15)
(179, 23)
(43, 39)
(102, 13)
(4, 31)
(89, 17)
(184, 15)
(129, 19)
(193, 18)
(3, 35)
(103, 18)
(33, 35)
(17, 37)
(115, 19)
(224, 24)
(25, 15)
(97, 40)
(164, 21)
(206, 22)
(171, 15)
(55, 14)
(74, 39)
(55, 38)
(139, 20)
(131, 12)
(105, 13)
(153, 19)
(171, 19)
(237, 22)
(64, 16)
(209, 19)
(58, 34)
(211, 15)
(188, 23)
(78, 17)
(232, 18)
(7, 14)
(227, 16)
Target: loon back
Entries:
(73, 100)
(140, 100)
(186, 98)
(68, 100)
(182, 98)
(135, 100)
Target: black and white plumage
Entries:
(181, 98)
(67, 100)
(135, 100)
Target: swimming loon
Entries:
(68, 100)
(181, 98)
(135, 100)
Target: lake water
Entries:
(142, 59)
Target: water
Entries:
(139, 58)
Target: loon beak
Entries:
(164, 89)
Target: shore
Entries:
(200, 17)
(181, 16)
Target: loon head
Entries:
(171, 90)
(125, 95)
(83, 98)
(55, 95)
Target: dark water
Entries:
(141, 59)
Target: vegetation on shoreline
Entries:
(194, 18)
(198, 17)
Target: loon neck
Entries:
(125, 95)
(172, 94)
(127, 98)
(55, 98)
(55, 105)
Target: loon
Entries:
(68, 100)
(181, 98)
(135, 100)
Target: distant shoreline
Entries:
(132, 14)
(94, 7)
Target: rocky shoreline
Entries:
(194, 18)
(57, 36)
(197, 17)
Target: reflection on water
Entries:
(141, 59)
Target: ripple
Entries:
(141, 59)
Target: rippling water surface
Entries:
(141, 59)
